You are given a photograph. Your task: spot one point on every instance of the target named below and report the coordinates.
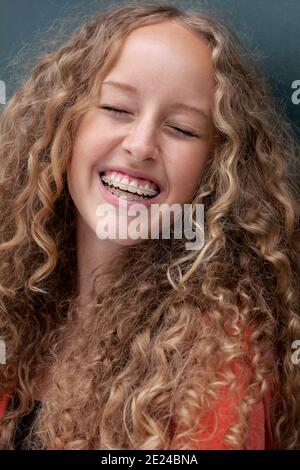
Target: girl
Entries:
(140, 343)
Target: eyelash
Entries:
(121, 111)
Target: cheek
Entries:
(185, 175)
(87, 152)
(78, 168)
(74, 181)
(75, 167)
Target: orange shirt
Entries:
(3, 403)
(259, 435)
(224, 414)
(259, 429)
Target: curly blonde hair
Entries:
(154, 349)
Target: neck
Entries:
(92, 253)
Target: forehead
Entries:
(167, 54)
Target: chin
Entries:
(128, 242)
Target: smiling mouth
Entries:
(130, 194)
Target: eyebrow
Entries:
(132, 89)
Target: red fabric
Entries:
(259, 431)
(3, 403)
(215, 423)
(224, 414)
(259, 436)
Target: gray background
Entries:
(270, 28)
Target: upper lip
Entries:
(134, 174)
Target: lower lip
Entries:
(113, 199)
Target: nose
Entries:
(141, 140)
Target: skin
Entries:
(167, 64)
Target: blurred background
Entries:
(269, 28)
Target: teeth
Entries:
(123, 183)
(132, 187)
(126, 197)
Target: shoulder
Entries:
(216, 422)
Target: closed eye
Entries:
(122, 111)
(114, 110)
(185, 133)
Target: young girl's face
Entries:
(162, 85)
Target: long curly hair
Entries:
(140, 368)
